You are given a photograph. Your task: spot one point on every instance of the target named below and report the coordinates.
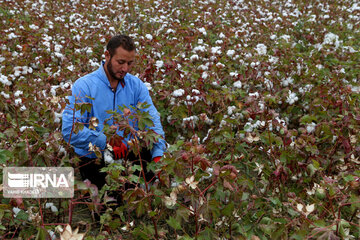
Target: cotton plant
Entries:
(251, 50)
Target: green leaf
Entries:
(311, 169)
(283, 157)
(10, 132)
(144, 120)
(134, 178)
(139, 234)
(78, 127)
(4, 156)
(152, 214)
(22, 215)
(41, 235)
(140, 208)
(85, 107)
(214, 208)
(300, 235)
(355, 200)
(316, 164)
(207, 234)
(279, 233)
(228, 209)
(136, 168)
(265, 220)
(86, 96)
(115, 224)
(349, 178)
(308, 119)
(89, 238)
(275, 201)
(174, 223)
(185, 238)
(184, 213)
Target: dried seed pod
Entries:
(93, 123)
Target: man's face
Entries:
(120, 63)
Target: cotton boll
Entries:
(5, 95)
(319, 66)
(261, 49)
(18, 101)
(194, 57)
(57, 48)
(230, 53)
(233, 74)
(203, 31)
(291, 98)
(255, 94)
(230, 109)
(199, 48)
(248, 127)
(23, 128)
(52, 235)
(192, 120)
(89, 51)
(178, 93)
(54, 209)
(148, 85)
(149, 37)
(285, 37)
(216, 50)
(288, 81)
(237, 84)
(273, 59)
(18, 93)
(203, 67)
(311, 127)
(331, 38)
(4, 80)
(273, 37)
(204, 75)
(220, 65)
(195, 91)
(12, 35)
(108, 157)
(16, 210)
(49, 204)
(159, 64)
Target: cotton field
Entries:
(259, 101)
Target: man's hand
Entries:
(119, 148)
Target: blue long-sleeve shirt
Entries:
(97, 86)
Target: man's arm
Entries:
(83, 137)
(160, 146)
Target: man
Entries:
(108, 87)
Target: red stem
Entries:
(41, 213)
(70, 211)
